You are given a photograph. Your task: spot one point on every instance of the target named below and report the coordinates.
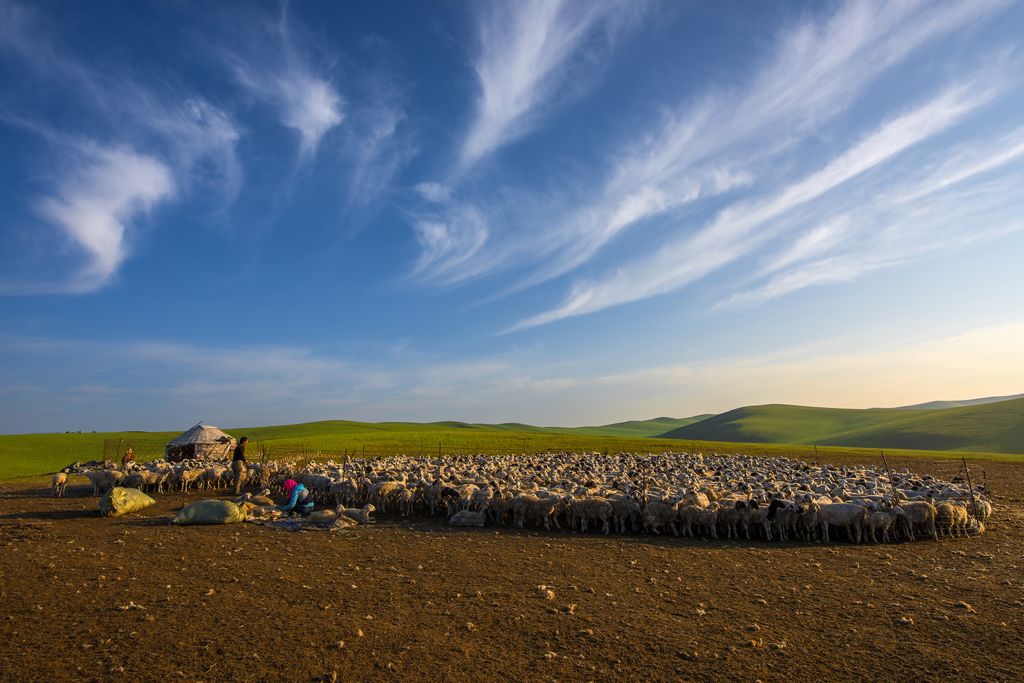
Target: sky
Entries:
(544, 211)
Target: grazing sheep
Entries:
(103, 480)
(951, 519)
(981, 510)
(59, 484)
(593, 509)
(921, 517)
(658, 515)
(842, 515)
(781, 516)
(543, 511)
(708, 495)
(879, 521)
(759, 519)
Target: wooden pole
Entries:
(892, 484)
(970, 487)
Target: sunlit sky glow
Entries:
(540, 211)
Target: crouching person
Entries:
(299, 498)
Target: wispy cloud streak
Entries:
(527, 50)
(712, 144)
(728, 237)
(919, 218)
(283, 76)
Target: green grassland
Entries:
(27, 454)
(992, 427)
(34, 454)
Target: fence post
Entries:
(892, 484)
(970, 487)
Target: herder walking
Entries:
(238, 466)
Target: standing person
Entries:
(128, 458)
(238, 464)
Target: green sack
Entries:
(120, 501)
(210, 512)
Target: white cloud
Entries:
(729, 236)
(812, 243)
(275, 70)
(434, 192)
(195, 132)
(716, 142)
(307, 104)
(915, 220)
(818, 69)
(377, 143)
(971, 160)
(96, 203)
(452, 243)
(527, 49)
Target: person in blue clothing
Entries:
(299, 498)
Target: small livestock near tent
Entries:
(204, 442)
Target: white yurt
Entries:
(201, 441)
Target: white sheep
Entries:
(359, 515)
(472, 518)
(59, 483)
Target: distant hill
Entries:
(633, 428)
(939, 405)
(307, 430)
(992, 426)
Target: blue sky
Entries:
(550, 212)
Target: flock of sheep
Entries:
(715, 496)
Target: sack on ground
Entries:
(210, 512)
(121, 501)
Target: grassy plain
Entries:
(26, 455)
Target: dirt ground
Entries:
(90, 598)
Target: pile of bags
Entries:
(121, 501)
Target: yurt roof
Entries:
(201, 434)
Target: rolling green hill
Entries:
(997, 427)
(934, 405)
(633, 428)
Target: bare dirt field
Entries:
(90, 598)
